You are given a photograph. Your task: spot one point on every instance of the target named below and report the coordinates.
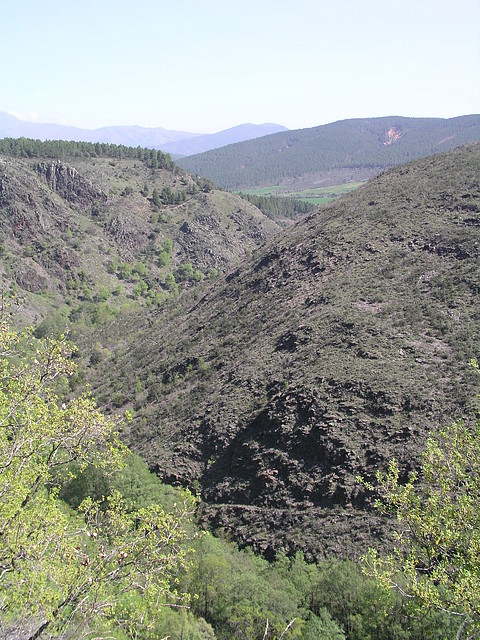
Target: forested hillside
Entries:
(338, 345)
(347, 150)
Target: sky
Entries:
(205, 66)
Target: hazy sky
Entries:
(204, 66)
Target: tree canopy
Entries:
(106, 563)
(60, 149)
(436, 562)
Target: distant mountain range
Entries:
(200, 144)
(343, 151)
(175, 142)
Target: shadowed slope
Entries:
(335, 347)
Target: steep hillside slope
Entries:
(338, 345)
(105, 234)
(347, 150)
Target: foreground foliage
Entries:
(436, 562)
(237, 592)
(108, 564)
(91, 549)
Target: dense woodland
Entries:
(60, 149)
(276, 207)
(111, 244)
(353, 147)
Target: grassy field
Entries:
(321, 195)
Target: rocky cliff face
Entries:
(67, 226)
(332, 349)
(66, 181)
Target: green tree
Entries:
(139, 289)
(153, 159)
(103, 293)
(322, 627)
(156, 199)
(179, 624)
(354, 601)
(171, 283)
(241, 595)
(87, 293)
(163, 258)
(140, 268)
(436, 561)
(198, 275)
(167, 246)
(164, 252)
(185, 271)
(125, 271)
(167, 196)
(51, 326)
(103, 565)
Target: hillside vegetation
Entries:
(338, 345)
(344, 151)
(263, 368)
(89, 231)
(93, 545)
